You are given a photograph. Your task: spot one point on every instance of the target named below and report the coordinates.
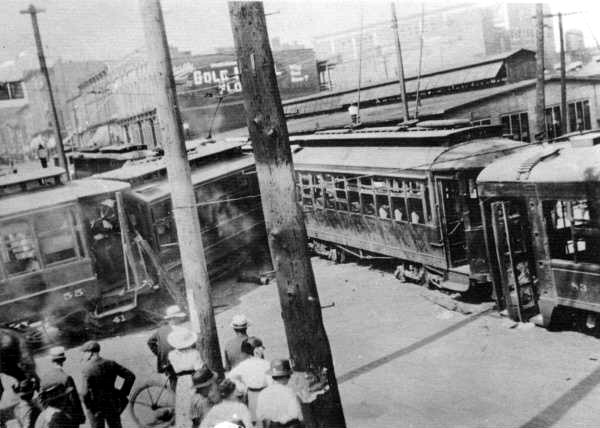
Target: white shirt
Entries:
(185, 360)
(252, 372)
(278, 403)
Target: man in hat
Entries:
(159, 345)
(251, 372)
(277, 405)
(56, 374)
(103, 400)
(53, 396)
(206, 394)
(27, 409)
(233, 354)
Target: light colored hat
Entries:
(57, 353)
(182, 338)
(279, 368)
(174, 312)
(239, 321)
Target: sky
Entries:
(111, 29)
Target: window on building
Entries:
(579, 116)
(553, 122)
(517, 125)
(573, 230)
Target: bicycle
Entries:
(152, 404)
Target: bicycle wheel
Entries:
(152, 405)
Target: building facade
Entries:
(451, 36)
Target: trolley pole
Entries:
(540, 97)
(183, 201)
(563, 79)
(300, 306)
(33, 11)
(400, 63)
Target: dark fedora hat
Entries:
(203, 377)
(54, 391)
(280, 368)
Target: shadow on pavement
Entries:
(408, 349)
(552, 414)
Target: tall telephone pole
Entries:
(300, 306)
(195, 274)
(540, 96)
(33, 11)
(400, 62)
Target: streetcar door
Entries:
(514, 258)
(452, 221)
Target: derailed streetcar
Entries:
(408, 195)
(541, 207)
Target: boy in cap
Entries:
(233, 354)
(252, 371)
(56, 374)
(159, 345)
(205, 394)
(104, 401)
(27, 409)
(278, 405)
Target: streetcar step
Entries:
(115, 311)
(455, 286)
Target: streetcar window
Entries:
(55, 236)
(366, 182)
(367, 203)
(415, 208)
(383, 207)
(354, 202)
(396, 185)
(17, 248)
(352, 183)
(398, 208)
(329, 199)
(573, 230)
(340, 183)
(379, 183)
(340, 200)
(318, 197)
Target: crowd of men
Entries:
(58, 403)
(253, 392)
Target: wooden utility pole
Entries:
(563, 79)
(195, 274)
(400, 63)
(540, 97)
(33, 11)
(300, 306)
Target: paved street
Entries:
(403, 360)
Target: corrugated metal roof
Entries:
(30, 201)
(149, 192)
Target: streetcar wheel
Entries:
(153, 405)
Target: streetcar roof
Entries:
(146, 167)
(33, 174)
(396, 160)
(152, 191)
(546, 163)
(421, 137)
(70, 192)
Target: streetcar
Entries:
(60, 248)
(229, 206)
(542, 215)
(402, 194)
(96, 160)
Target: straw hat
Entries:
(239, 322)
(174, 312)
(182, 338)
(280, 368)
